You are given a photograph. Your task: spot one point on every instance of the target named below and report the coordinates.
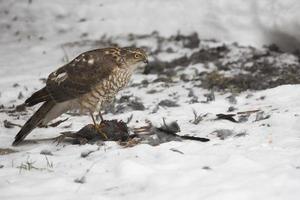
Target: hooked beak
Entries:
(146, 61)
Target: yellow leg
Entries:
(98, 126)
(100, 115)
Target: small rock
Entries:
(85, 154)
(210, 96)
(82, 20)
(267, 125)
(170, 50)
(81, 180)
(231, 109)
(20, 96)
(190, 41)
(232, 99)
(206, 168)
(168, 103)
(241, 134)
(20, 108)
(261, 116)
(249, 96)
(46, 152)
(191, 93)
(194, 98)
(145, 83)
(273, 47)
(224, 133)
(152, 91)
(8, 124)
(127, 102)
(136, 105)
(243, 118)
(186, 77)
(5, 151)
(155, 109)
(16, 85)
(262, 97)
(84, 35)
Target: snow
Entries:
(254, 22)
(263, 164)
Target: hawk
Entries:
(86, 83)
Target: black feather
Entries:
(187, 137)
(38, 97)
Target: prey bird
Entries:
(86, 83)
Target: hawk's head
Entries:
(133, 56)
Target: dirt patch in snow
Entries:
(216, 65)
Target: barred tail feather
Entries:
(34, 121)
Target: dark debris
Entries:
(8, 124)
(113, 129)
(5, 151)
(261, 116)
(126, 103)
(228, 117)
(168, 103)
(46, 152)
(206, 168)
(224, 133)
(258, 68)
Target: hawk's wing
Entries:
(75, 78)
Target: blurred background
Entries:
(38, 36)
(252, 22)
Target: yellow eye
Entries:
(137, 56)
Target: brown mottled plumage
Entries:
(86, 83)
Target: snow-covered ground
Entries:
(255, 158)
(253, 22)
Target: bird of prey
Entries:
(86, 83)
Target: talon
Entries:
(98, 126)
(98, 129)
(82, 141)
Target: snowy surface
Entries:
(259, 159)
(254, 22)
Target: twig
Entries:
(49, 164)
(55, 124)
(82, 179)
(248, 112)
(129, 119)
(144, 129)
(66, 57)
(197, 118)
(8, 124)
(227, 117)
(176, 150)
